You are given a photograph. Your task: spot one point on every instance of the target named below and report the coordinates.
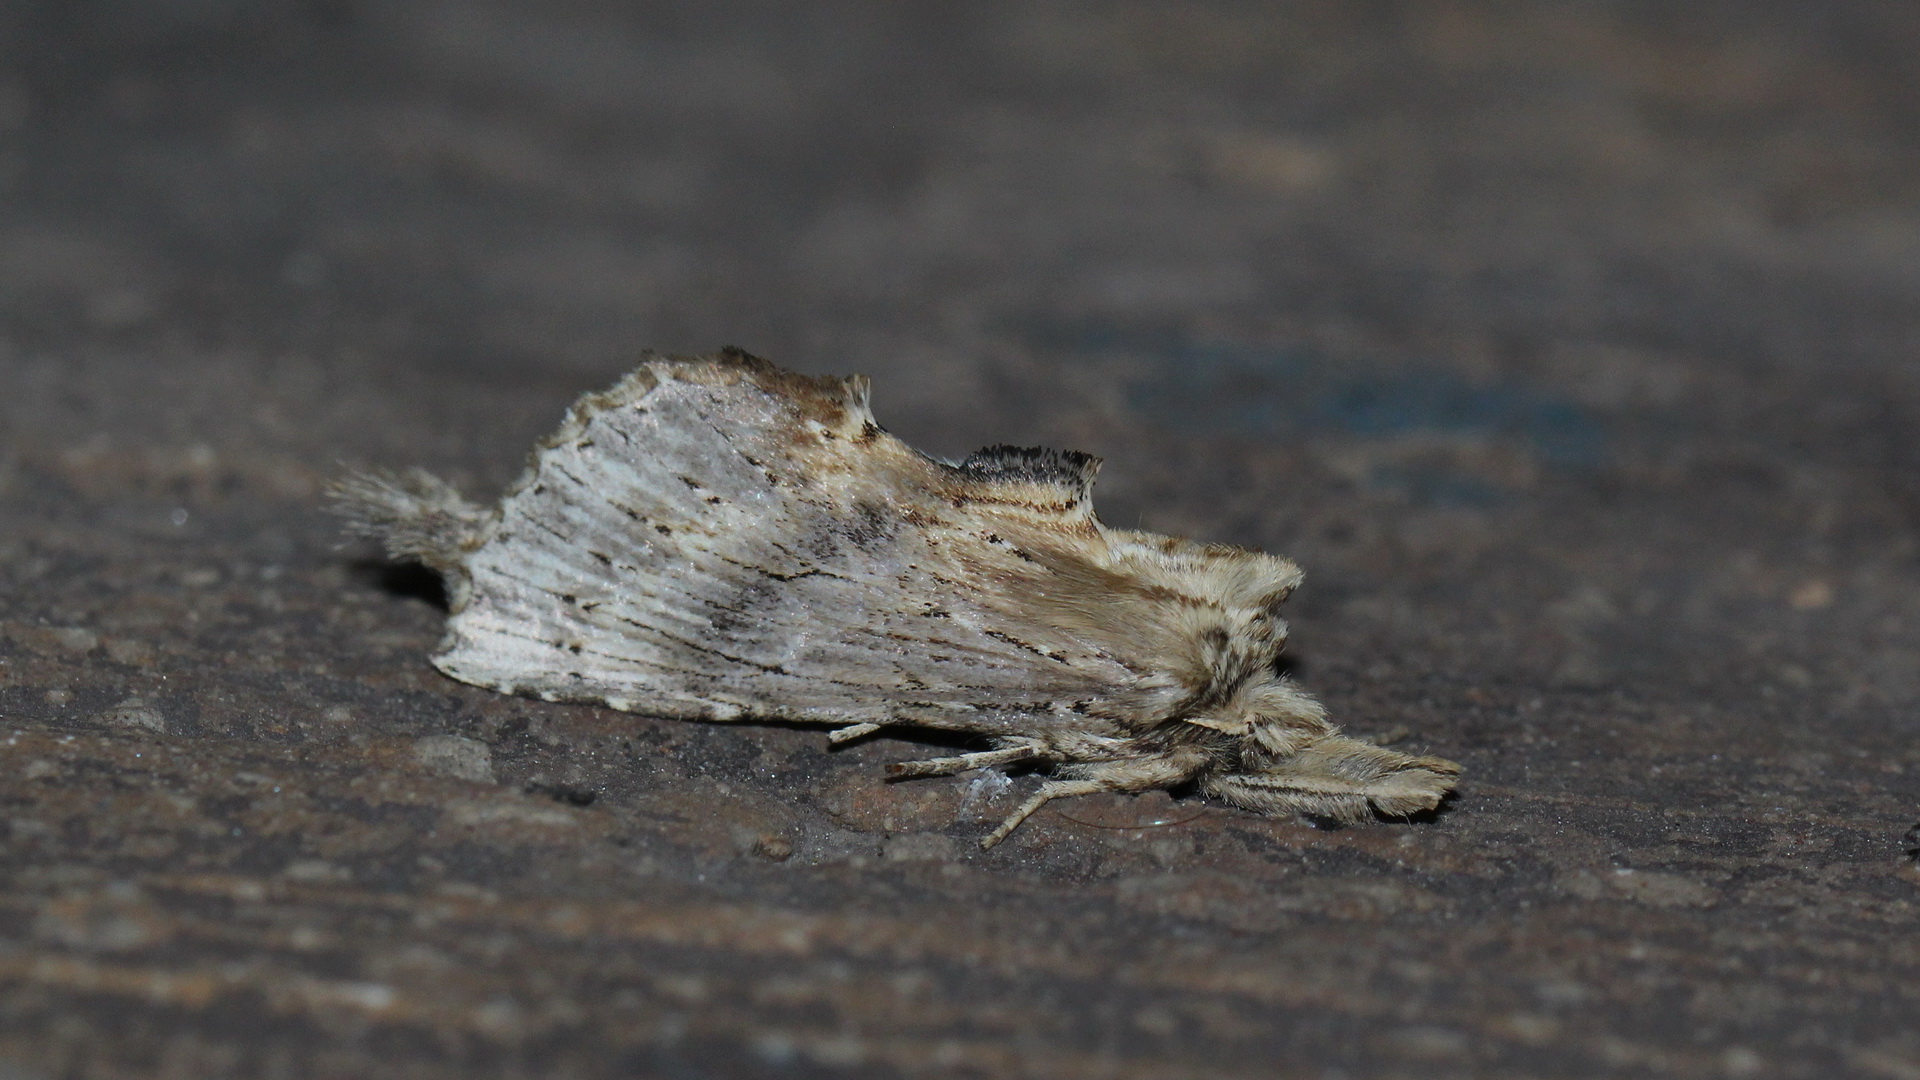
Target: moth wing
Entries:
(718, 538)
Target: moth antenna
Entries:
(414, 514)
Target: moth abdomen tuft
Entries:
(414, 514)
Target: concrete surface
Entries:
(1569, 345)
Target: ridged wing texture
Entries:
(716, 538)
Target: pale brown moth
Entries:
(718, 539)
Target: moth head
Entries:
(1268, 719)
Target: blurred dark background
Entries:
(1570, 346)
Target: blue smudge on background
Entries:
(1279, 393)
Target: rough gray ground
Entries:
(1569, 346)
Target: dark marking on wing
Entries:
(872, 526)
(1028, 646)
(771, 669)
(998, 541)
(547, 527)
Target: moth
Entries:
(718, 539)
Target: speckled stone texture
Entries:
(1571, 348)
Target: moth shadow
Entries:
(408, 580)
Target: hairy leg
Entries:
(1127, 774)
(1339, 778)
(947, 766)
(849, 733)
(1049, 791)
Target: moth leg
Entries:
(1342, 779)
(1088, 778)
(1049, 791)
(947, 766)
(849, 733)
